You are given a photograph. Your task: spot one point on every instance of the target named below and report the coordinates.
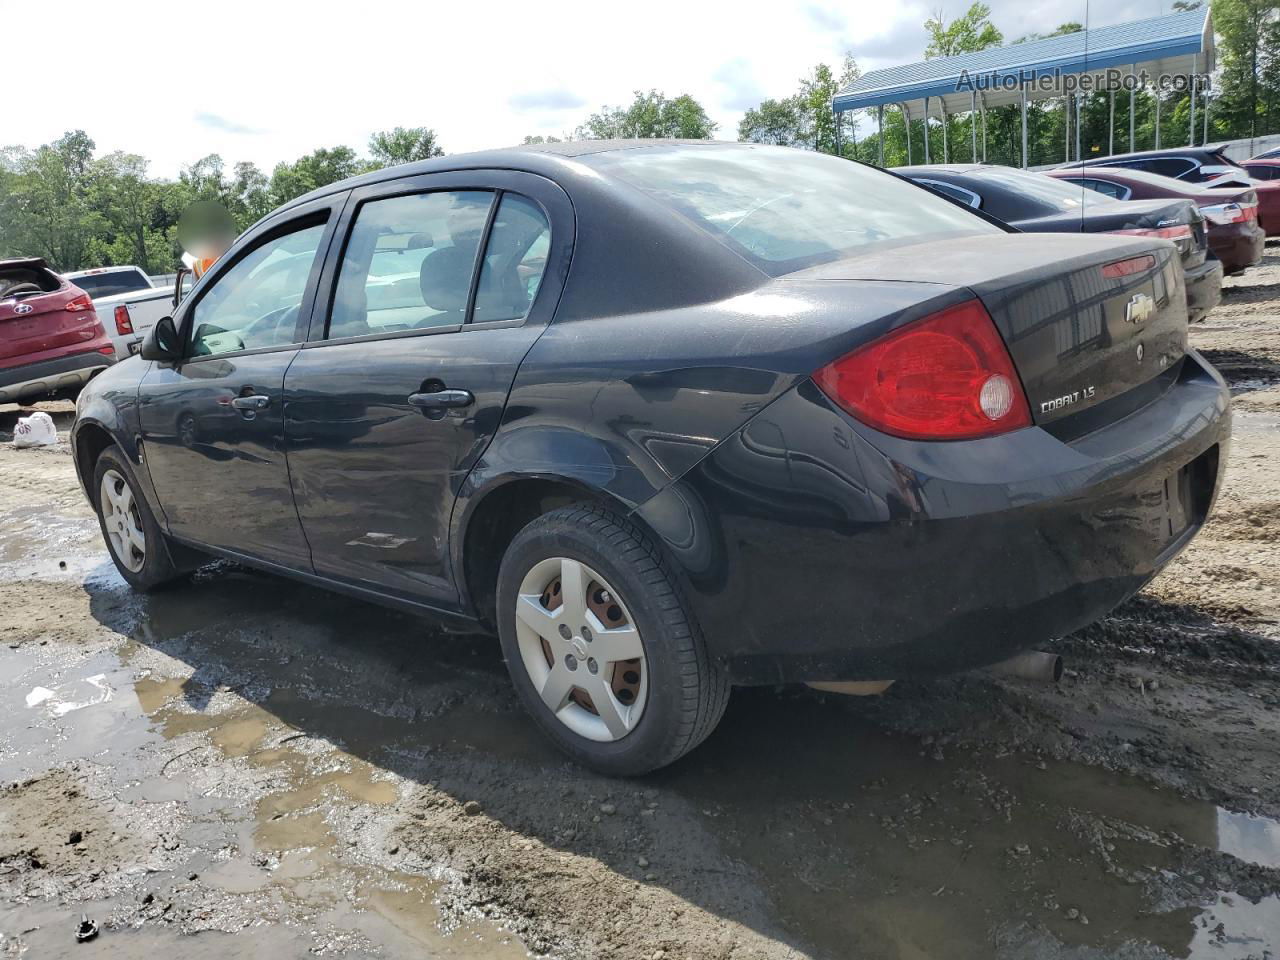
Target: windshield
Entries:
(109, 284)
(1036, 186)
(786, 209)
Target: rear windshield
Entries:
(109, 284)
(25, 281)
(786, 209)
(1048, 192)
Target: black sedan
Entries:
(1038, 203)
(669, 417)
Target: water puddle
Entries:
(287, 725)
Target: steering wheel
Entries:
(270, 326)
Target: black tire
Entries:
(687, 690)
(158, 567)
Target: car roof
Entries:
(1262, 161)
(540, 158)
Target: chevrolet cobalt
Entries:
(669, 417)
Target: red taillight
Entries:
(123, 323)
(80, 303)
(1127, 268)
(1180, 232)
(946, 377)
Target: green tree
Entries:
(972, 31)
(650, 115)
(403, 145)
(317, 169)
(779, 122)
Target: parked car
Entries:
(1207, 166)
(126, 300)
(1039, 204)
(1263, 168)
(671, 417)
(1231, 213)
(50, 337)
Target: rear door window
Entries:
(1112, 190)
(408, 263)
(514, 261)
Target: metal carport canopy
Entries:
(1179, 43)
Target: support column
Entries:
(906, 120)
(1157, 96)
(983, 108)
(1133, 71)
(973, 124)
(1191, 122)
(1079, 111)
(1024, 131)
(839, 118)
(1111, 127)
(880, 130)
(926, 130)
(1204, 139)
(1066, 129)
(946, 150)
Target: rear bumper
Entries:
(1204, 289)
(1237, 245)
(31, 380)
(814, 548)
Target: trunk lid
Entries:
(1179, 221)
(1078, 335)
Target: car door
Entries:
(213, 424)
(438, 289)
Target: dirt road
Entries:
(247, 767)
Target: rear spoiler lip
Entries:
(30, 263)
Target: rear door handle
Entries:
(252, 402)
(442, 398)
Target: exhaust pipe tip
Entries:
(1032, 665)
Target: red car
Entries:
(1231, 213)
(50, 336)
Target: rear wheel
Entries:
(600, 645)
(137, 545)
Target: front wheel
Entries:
(135, 541)
(600, 645)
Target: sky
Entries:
(268, 81)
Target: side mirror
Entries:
(182, 274)
(161, 342)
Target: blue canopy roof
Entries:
(1178, 43)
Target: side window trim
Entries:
(245, 246)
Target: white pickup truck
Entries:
(126, 301)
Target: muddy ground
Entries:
(245, 767)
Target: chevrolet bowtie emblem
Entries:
(1139, 308)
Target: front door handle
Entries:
(438, 399)
(252, 402)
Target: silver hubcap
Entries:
(581, 649)
(120, 518)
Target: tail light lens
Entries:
(1181, 232)
(1224, 213)
(80, 304)
(946, 377)
(123, 324)
(1127, 268)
